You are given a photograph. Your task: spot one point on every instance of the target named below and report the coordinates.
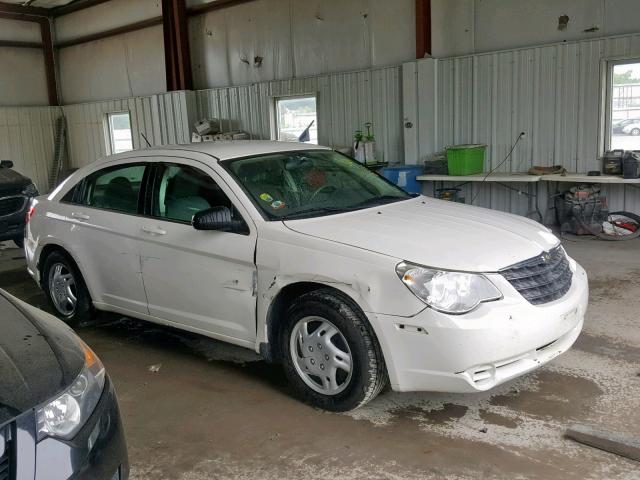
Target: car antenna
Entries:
(145, 139)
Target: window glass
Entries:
(182, 191)
(116, 188)
(625, 106)
(73, 195)
(311, 183)
(296, 119)
(120, 137)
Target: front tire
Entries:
(65, 288)
(331, 356)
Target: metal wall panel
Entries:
(346, 101)
(298, 38)
(163, 119)
(553, 93)
(27, 137)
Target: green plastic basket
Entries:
(465, 159)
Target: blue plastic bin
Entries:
(404, 177)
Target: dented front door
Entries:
(202, 279)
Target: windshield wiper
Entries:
(371, 202)
(310, 211)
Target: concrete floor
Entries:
(215, 411)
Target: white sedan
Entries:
(310, 259)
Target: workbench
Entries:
(532, 181)
(502, 179)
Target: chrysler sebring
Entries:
(312, 260)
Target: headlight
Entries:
(449, 292)
(30, 190)
(64, 416)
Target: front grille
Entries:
(11, 205)
(541, 279)
(5, 453)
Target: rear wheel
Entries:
(635, 132)
(330, 353)
(65, 288)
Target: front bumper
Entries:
(497, 342)
(12, 225)
(97, 452)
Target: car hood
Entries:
(11, 182)
(39, 357)
(436, 233)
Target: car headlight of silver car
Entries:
(447, 291)
(65, 415)
(30, 190)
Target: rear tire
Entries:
(66, 291)
(331, 356)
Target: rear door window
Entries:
(115, 188)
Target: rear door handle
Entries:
(80, 216)
(154, 230)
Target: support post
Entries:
(423, 28)
(49, 62)
(176, 45)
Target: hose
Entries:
(605, 236)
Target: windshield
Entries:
(304, 184)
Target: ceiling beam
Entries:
(423, 28)
(21, 17)
(74, 6)
(214, 5)
(18, 44)
(132, 27)
(22, 10)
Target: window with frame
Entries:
(296, 119)
(116, 188)
(181, 191)
(623, 105)
(120, 137)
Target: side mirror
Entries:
(218, 218)
(6, 164)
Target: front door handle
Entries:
(80, 216)
(154, 230)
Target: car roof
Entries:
(224, 150)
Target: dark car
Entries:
(59, 417)
(16, 191)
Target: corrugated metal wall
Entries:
(553, 93)
(162, 118)
(27, 137)
(346, 101)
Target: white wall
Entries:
(299, 38)
(105, 16)
(22, 73)
(472, 26)
(123, 66)
(346, 101)
(27, 137)
(126, 65)
(296, 38)
(553, 93)
(163, 119)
